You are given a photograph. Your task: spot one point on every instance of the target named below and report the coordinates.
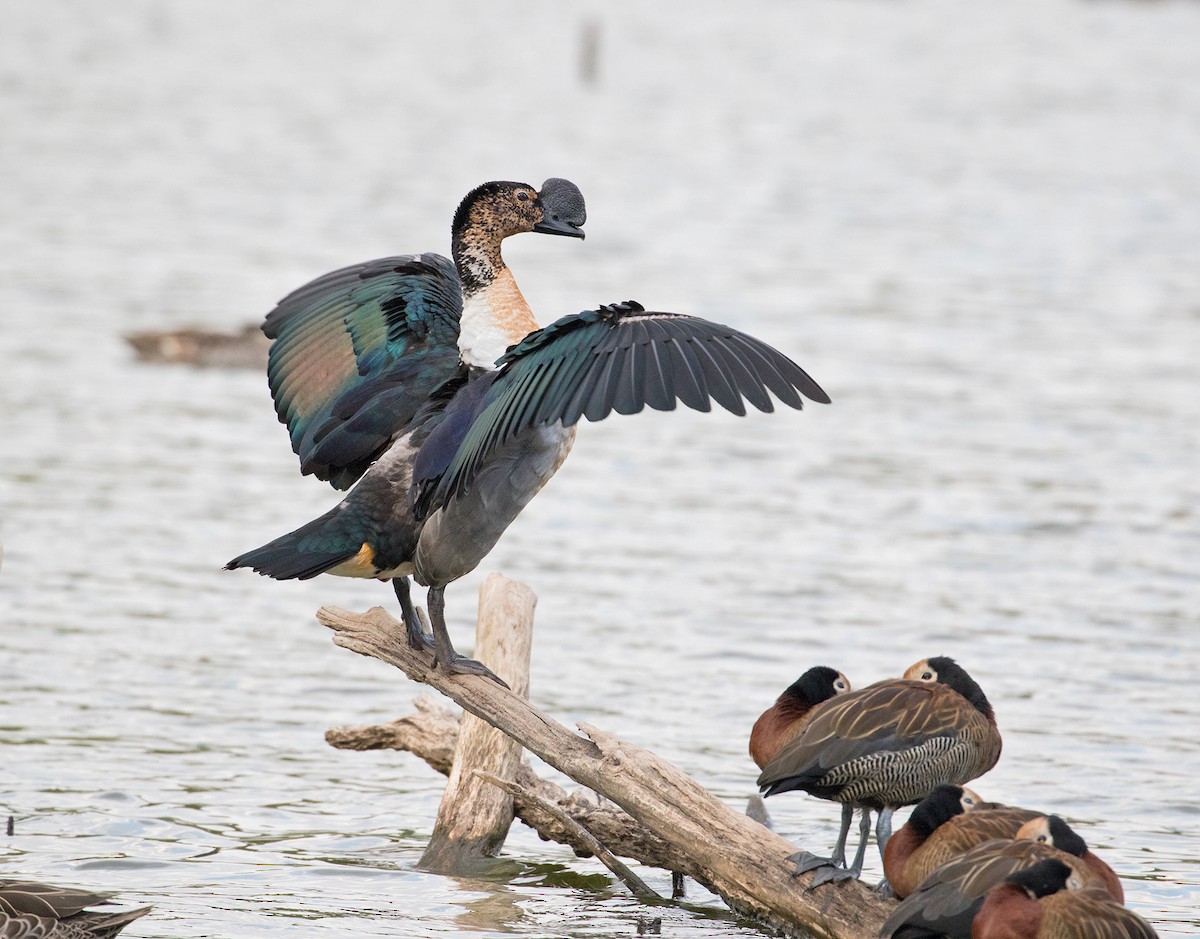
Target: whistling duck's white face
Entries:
(969, 799)
(841, 684)
(921, 671)
(1036, 829)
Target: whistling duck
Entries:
(946, 901)
(1052, 830)
(430, 381)
(34, 910)
(782, 722)
(885, 746)
(1047, 901)
(947, 822)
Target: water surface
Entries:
(977, 230)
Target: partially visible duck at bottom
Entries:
(945, 903)
(885, 746)
(1049, 901)
(946, 823)
(31, 910)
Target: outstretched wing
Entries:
(620, 358)
(356, 353)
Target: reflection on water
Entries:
(979, 235)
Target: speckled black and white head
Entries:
(495, 314)
(1052, 830)
(1045, 878)
(944, 670)
(941, 805)
(493, 211)
(819, 683)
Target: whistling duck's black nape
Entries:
(818, 684)
(1065, 837)
(1043, 878)
(955, 676)
(936, 809)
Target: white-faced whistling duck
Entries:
(947, 822)
(1047, 901)
(782, 721)
(1052, 830)
(885, 746)
(946, 901)
(429, 383)
(30, 910)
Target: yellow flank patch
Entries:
(365, 558)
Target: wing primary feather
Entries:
(690, 384)
(602, 375)
(766, 361)
(721, 384)
(748, 383)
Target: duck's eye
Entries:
(522, 196)
(926, 676)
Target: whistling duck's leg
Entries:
(883, 828)
(806, 861)
(444, 654)
(839, 849)
(417, 637)
(854, 871)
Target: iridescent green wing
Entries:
(355, 355)
(620, 358)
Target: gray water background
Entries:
(977, 225)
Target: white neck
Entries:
(481, 340)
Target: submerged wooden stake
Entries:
(474, 816)
(742, 861)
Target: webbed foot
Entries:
(832, 875)
(462, 665)
(806, 861)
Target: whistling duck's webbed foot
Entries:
(829, 870)
(806, 861)
(417, 637)
(444, 655)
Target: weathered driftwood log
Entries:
(474, 816)
(745, 863)
(431, 734)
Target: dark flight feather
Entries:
(619, 358)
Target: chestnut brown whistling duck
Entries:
(945, 903)
(947, 822)
(782, 721)
(888, 745)
(1048, 901)
(1052, 830)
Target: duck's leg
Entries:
(883, 828)
(413, 628)
(854, 871)
(806, 861)
(883, 831)
(444, 654)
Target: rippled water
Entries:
(978, 229)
